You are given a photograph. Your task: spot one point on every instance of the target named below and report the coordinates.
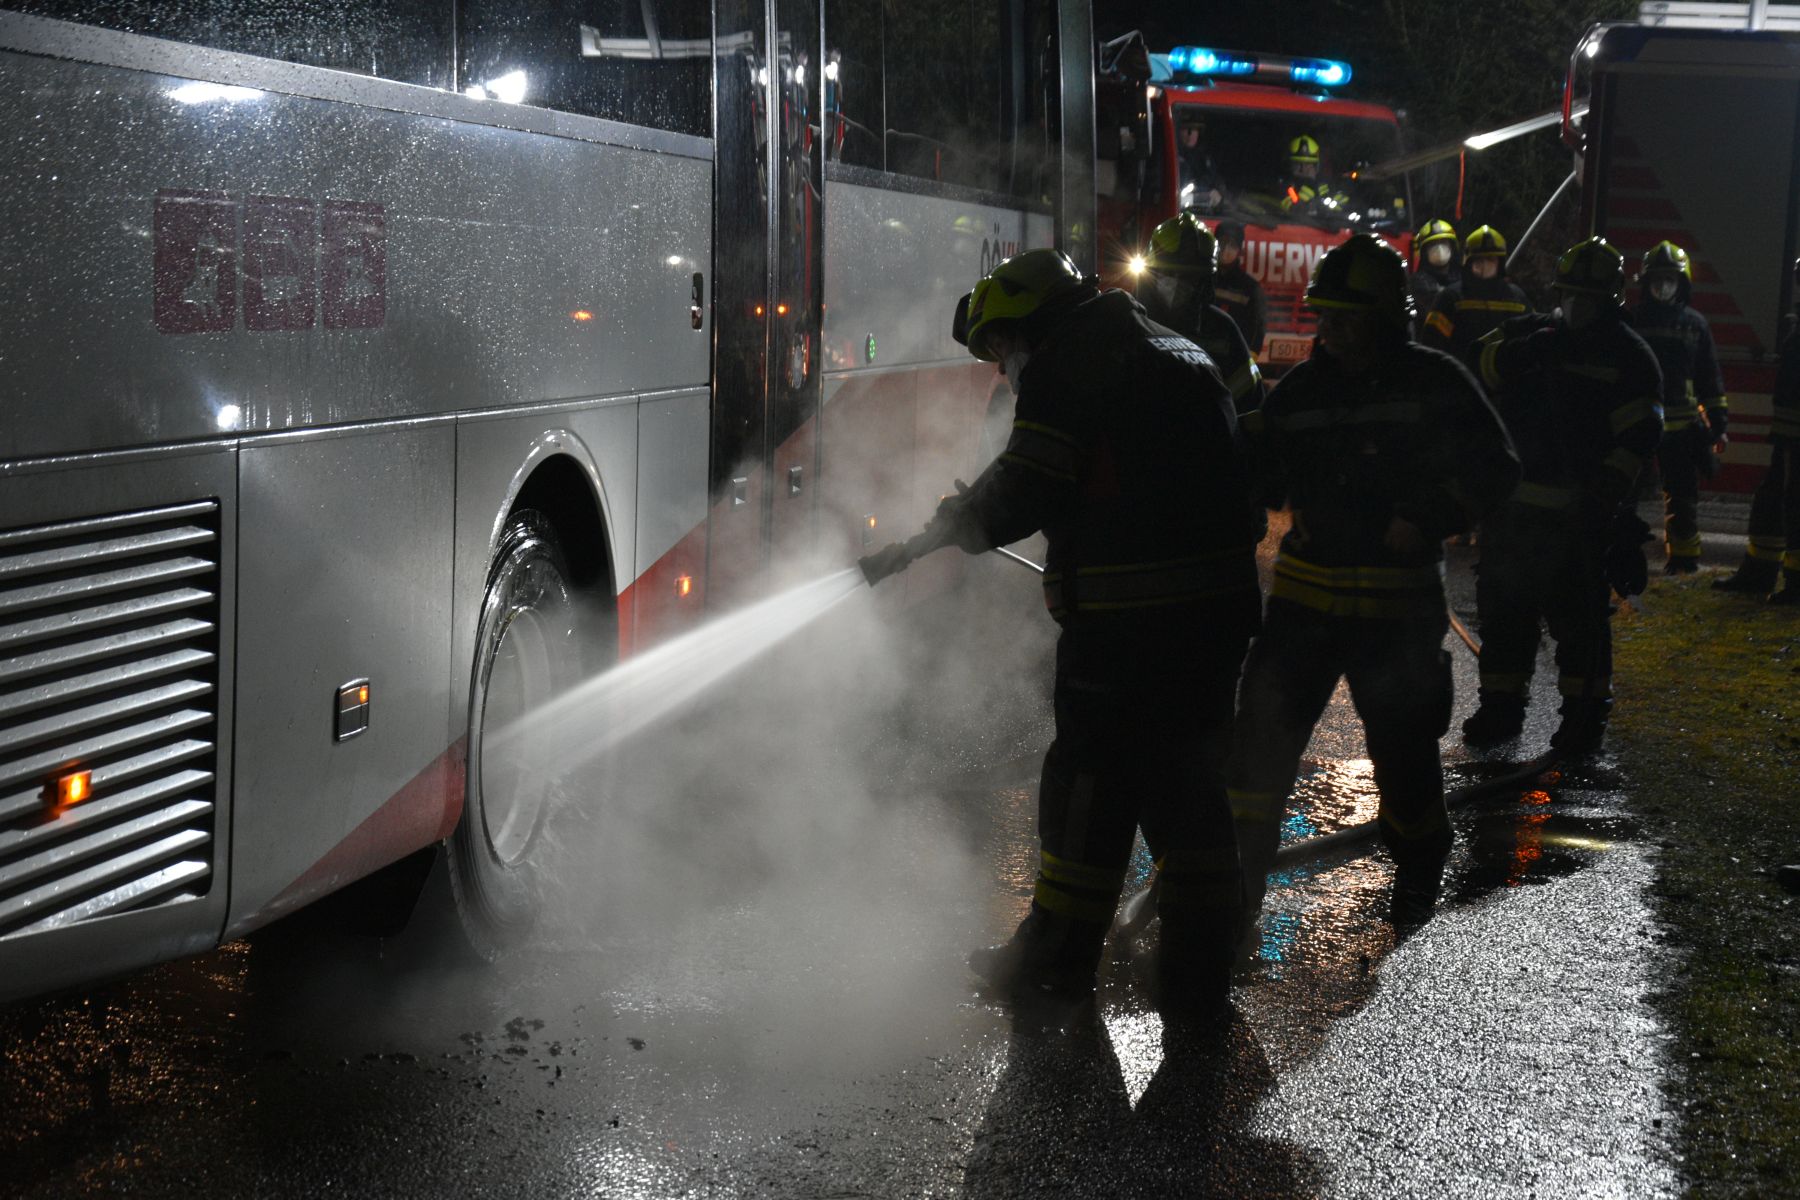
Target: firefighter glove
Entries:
(955, 525)
(1716, 420)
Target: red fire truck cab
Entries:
(1213, 136)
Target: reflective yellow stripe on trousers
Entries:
(1372, 592)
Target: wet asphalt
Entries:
(753, 986)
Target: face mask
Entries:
(1484, 268)
(1662, 290)
(1581, 311)
(1015, 366)
(1173, 292)
(1437, 254)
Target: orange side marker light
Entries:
(70, 789)
(684, 584)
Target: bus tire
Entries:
(527, 650)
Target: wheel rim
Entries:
(515, 785)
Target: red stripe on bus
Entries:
(424, 811)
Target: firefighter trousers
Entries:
(1399, 677)
(1538, 568)
(1775, 510)
(1681, 459)
(1143, 729)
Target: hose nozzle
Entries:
(897, 556)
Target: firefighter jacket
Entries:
(1216, 333)
(1429, 282)
(1683, 344)
(1124, 452)
(1468, 310)
(1584, 408)
(1785, 408)
(1236, 291)
(1414, 438)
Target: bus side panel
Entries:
(1676, 152)
(671, 521)
(360, 589)
(45, 494)
(188, 261)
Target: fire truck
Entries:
(1693, 134)
(1209, 132)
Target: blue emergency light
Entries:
(1198, 60)
(1321, 72)
(1204, 62)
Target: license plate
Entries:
(1287, 348)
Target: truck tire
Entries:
(527, 651)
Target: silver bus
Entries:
(359, 361)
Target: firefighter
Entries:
(1478, 302)
(1124, 452)
(1381, 449)
(1236, 291)
(1774, 545)
(1305, 190)
(1694, 406)
(1582, 394)
(1435, 263)
(1176, 290)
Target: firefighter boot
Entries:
(1416, 887)
(1583, 727)
(1041, 961)
(1499, 718)
(1789, 595)
(1754, 577)
(1681, 564)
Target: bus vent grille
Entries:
(109, 682)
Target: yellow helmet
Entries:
(1485, 241)
(1016, 290)
(1303, 149)
(1433, 231)
(1592, 268)
(1667, 256)
(1182, 245)
(1366, 274)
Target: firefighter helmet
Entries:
(1182, 245)
(1303, 149)
(1364, 274)
(1016, 290)
(1485, 242)
(1666, 256)
(1592, 268)
(1433, 231)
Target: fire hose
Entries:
(1137, 910)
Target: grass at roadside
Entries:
(1708, 727)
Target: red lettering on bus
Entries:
(298, 256)
(353, 271)
(195, 257)
(280, 248)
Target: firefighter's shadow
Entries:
(1061, 1122)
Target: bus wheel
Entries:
(526, 653)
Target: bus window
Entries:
(943, 92)
(855, 106)
(405, 40)
(644, 62)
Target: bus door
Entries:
(767, 292)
